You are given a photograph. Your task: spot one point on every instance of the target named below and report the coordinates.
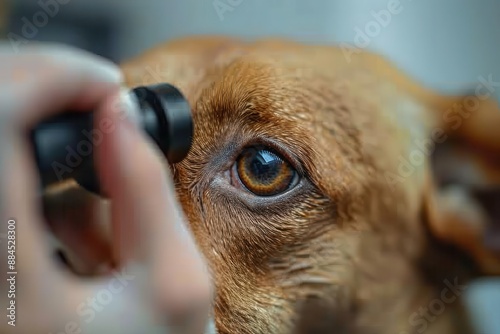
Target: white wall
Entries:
(446, 44)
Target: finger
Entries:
(19, 200)
(35, 275)
(80, 222)
(148, 224)
(45, 78)
(24, 101)
(72, 80)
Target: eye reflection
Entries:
(264, 172)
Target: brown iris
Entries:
(264, 172)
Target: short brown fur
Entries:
(356, 247)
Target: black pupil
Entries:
(264, 165)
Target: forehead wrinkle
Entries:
(244, 93)
(241, 91)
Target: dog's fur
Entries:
(378, 226)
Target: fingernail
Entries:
(126, 137)
(126, 107)
(107, 71)
(101, 68)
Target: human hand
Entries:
(163, 278)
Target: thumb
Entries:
(148, 224)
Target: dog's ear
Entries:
(462, 190)
(462, 198)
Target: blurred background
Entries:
(445, 44)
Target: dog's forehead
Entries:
(251, 97)
(290, 103)
(325, 108)
(253, 85)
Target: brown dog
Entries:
(328, 195)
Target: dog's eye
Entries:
(263, 172)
